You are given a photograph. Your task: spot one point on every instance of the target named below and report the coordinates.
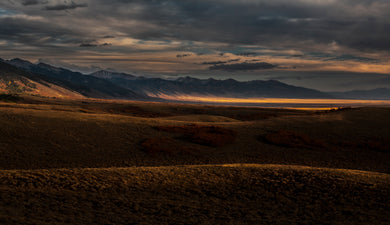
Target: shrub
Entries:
(213, 136)
(9, 98)
(291, 139)
(164, 145)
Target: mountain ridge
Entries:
(86, 85)
(212, 87)
(104, 74)
(119, 85)
(15, 81)
(377, 94)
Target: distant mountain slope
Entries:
(112, 75)
(16, 81)
(88, 86)
(105, 84)
(221, 88)
(379, 93)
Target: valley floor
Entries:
(117, 162)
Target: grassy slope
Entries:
(231, 194)
(38, 135)
(17, 81)
(101, 134)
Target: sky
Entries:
(328, 45)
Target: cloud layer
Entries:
(194, 36)
(66, 6)
(243, 66)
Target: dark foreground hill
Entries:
(229, 194)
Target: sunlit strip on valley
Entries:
(305, 104)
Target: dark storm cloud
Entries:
(182, 55)
(25, 31)
(91, 45)
(214, 62)
(219, 62)
(243, 66)
(358, 24)
(32, 2)
(66, 6)
(88, 45)
(351, 58)
(246, 54)
(36, 32)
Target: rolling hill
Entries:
(209, 194)
(92, 161)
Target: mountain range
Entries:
(21, 76)
(87, 86)
(211, 87)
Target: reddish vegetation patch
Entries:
(291, 139)
(370, 144)
(164, 145)
(135, 111)
(255, 116)
(213, 136)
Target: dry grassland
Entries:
(230, 194)
(116, 162)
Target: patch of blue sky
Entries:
(351, 58)
(345, 57)
(244, 51)
(319, 55)
(5, 12)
